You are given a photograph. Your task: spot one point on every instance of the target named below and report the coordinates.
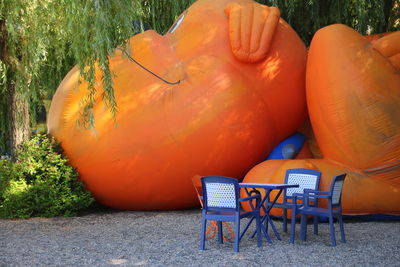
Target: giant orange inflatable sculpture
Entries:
(226, 86)
(353, 97)
(219, 91)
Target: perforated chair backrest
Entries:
(336, 189)
(305, 178)
(220, 193)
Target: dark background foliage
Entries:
(365, 16)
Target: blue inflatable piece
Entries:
(288, 148)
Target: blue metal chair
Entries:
(221, 203)
(334, 197)
(213, 228)
(306, 179)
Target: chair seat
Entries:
(226, 215)
(315, 211)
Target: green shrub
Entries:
(6, 175)
(40, 182)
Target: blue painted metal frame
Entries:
(221, 214)
(268, 187)
(333, 210)
(288, 200)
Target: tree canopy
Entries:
(40, 40)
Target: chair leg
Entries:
(285, 220)
(341, 228)
(293, 226)
(258, 226)
(303, 227)
(237, 234)
(203, 234)
(220, 234)
(332, 230)
(315, 225)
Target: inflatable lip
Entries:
(241, 91)
(353, 96)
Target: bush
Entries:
(40, 182)
(6, 175)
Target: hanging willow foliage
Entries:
(40, 40)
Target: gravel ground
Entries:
(124, 238)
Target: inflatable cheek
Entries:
(205, 108)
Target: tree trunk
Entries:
(4, 145)
(388, 6)
(17, 105)
(3, 39)
(18, 117)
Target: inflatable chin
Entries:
(212, 96)
(353, 96)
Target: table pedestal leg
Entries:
(267, 209)
(251, 220)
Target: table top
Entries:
(267, 185)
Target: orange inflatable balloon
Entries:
(241, 73)
(353, 97)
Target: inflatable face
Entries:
(353, 96)
(240, 92)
